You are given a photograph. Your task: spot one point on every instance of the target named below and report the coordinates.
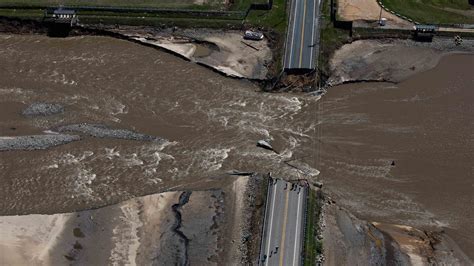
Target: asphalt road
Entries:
(284, 220)
(302, 43)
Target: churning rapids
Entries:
(210, 124)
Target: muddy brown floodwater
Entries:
(211, 125)
(425, 126)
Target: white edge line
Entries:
(287, 37)
(271, 224)
(262, 248)
(293, 33)
(312, 35)
(297, 225)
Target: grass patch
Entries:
(332, 38)
(158, 21)
(433, 11)
(312, 245)
(36, 14)
(178, 4)
(274, 19)
(274, 23)
(245, 4)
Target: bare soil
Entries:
(389, 60)
(351, 241)
(205, 228)
(224, 51)
(350, 10)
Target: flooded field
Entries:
(210, 124)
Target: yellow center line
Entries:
(282, 243)
(302, 34)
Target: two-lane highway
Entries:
(282, 241)
(302, 43)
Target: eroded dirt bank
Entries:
(224, 51)
(390, 60)
(172, 228)
(351, 241)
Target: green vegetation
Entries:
(433, 11)
(331, 37)
(245, 4)
(188, 4)
(312, 245)
(274, 19)
(232, 15)
(23, 13)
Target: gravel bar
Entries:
(102, 131)
(35, 142)
(43, 109)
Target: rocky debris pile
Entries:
(43, 109)
(35, 142)
(102, 131)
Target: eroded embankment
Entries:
(348, 240)
(222, 50)
(172, 228)
(389, 60)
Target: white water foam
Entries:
(82, 177)
(212, 159)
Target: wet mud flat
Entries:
(171, 228)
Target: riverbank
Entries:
(390, 60)
(223, 50)
(349, 240)
(199, 227)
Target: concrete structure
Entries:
(61, 16)
(425, 32)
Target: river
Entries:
(211, 125)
